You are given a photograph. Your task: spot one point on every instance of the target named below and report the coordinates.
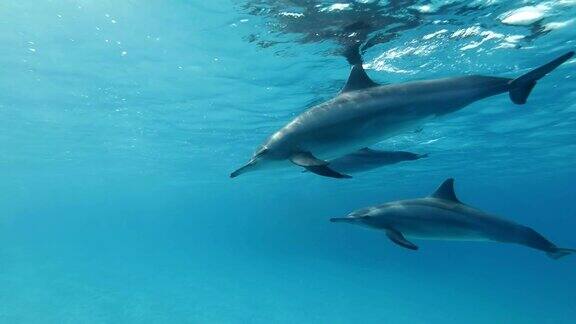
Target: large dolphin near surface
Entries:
(441, 216)
(365, 113)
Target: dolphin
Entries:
(441, 216)
(365, 113)
(368, 159)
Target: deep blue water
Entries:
(120, 122)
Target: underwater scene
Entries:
(288, 161)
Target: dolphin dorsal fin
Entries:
(446, 191)
(358, 79)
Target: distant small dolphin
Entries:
(441, 216)
(368, 159)
(365, 113)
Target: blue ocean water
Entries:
(120, 122)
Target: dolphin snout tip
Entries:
(238, 172)
(246, 168)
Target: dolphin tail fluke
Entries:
(521, 87)
(560, 252)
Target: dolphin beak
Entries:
(243, 169)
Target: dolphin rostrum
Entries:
(441, 216)
(368, 159)
(365, 113)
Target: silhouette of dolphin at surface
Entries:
(365, 113)
(441, 216)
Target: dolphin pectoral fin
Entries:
(306, 159)
(313, 164)
(327, 172)
(399, 239)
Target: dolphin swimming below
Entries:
(365, 113)
(441, 216)
(368, 159)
